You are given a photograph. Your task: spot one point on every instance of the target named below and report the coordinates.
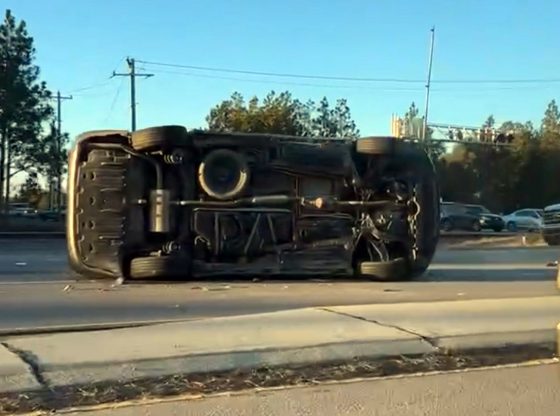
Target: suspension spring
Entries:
(174, 158)
(170, 247)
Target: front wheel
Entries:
(511, 226)
(386, 271)
(447, 225)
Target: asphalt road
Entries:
(38, 290)
(513, 391)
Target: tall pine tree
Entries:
(23, 101)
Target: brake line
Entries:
(154, 163)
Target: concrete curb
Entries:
(288, 338)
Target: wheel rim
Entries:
(511, 226)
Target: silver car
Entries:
(524, 219)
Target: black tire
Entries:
(376, 145)
(446, 225)
(476, 227)
(159, 138)
(419, 166)
(497, 229)
(511, 226)
(210, 184)
(393, 270)
(552, 240)
(156, 267)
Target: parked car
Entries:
(455, 216)
(488, 220)
(21, 209)
(167, 202)
(50, 215)
(530, 219)
(551, 225)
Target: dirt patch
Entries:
(51, 400)
(516, 241)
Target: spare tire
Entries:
(223, 174)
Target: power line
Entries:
(281, 75)
(115, 98)
(91, 87)
(353, 79)
(302, 84)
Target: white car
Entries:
(524, 219)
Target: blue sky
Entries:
(80, 43)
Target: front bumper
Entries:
(550, 231)
(492, 223)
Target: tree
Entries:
(490, 122)
(412, 112)
(282, 114)
(23, 101)
(51, 160)
(551, 121)
(30, 191)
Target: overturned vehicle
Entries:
(165, 202)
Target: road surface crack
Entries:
(31, 360)
(431, 341)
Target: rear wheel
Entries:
(476, 226)
(155, 267)
(159, 138)
(392, 270)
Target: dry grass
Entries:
(51, 400)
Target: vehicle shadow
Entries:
(447, 275)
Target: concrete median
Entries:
(290, 338)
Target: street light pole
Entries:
(428, 82)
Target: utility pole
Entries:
(428, 82)
(132, 74)
(58, 200)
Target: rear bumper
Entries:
(72, 238)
